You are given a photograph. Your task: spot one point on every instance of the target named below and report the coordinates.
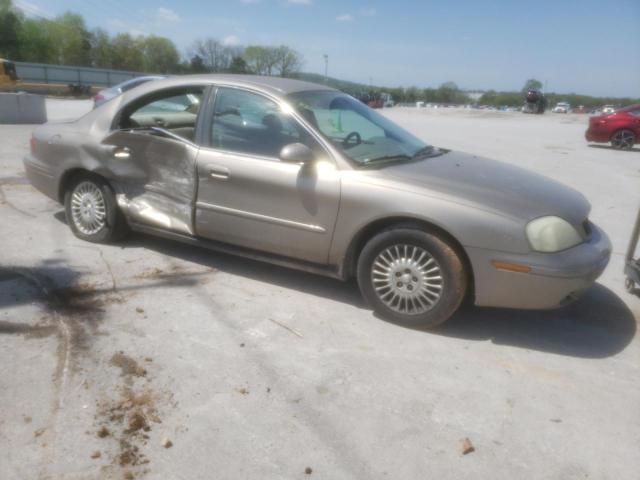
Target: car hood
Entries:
(490, 185)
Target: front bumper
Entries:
(554, 280)
(596, 134)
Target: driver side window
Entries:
(246, 122)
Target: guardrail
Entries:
(65, 75)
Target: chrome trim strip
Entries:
(261, 218)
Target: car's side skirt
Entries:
(331, 271)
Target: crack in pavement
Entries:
(5, 201)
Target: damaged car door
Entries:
(152, 155)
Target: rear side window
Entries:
(173, 110)
(635, 113)
(249, 123)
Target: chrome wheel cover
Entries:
(623, 139)
(407, 279)
(88, 208)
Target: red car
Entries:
(621, 128)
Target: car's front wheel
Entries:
(412, 277)
(623, 139)
(92, 211)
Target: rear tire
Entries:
(412, 277)
(623, 139)
(91, 210)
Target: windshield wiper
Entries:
(385, 159)
(424, 152)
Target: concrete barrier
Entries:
(22, 108)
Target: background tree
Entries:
(287, 62)
(101, 49)
(10, 22)
(71, 42)
(159, 54)
(260, 60)
(35, 44)
(126, 53)
(215, 55)
(531, 84)
(196, 64)
(238, 65)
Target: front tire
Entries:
(412, 277)
(91, 210)
(623, 139)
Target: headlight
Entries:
(552, 234)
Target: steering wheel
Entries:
(353, 135)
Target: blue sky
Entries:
(581, 46)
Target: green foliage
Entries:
(126, 53)
(10, 20)
(159, 54)
(196, 64)
(531, 84)
(238, 65)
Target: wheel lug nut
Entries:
(399, 284)
(410, 287)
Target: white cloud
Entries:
(345, 18)
(167, 15)
(231, 40)
(368, 12)
(31, 9)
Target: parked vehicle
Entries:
(608, 109)
(7, 72)
(562, 107)
(535, 102)
(111, 92)
(301, 175)
(621, 128)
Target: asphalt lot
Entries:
(108, 353)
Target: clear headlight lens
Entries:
(552, 234)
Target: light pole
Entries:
(326, 68)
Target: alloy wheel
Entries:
(88, 208)
(623, 139)
(407, 279)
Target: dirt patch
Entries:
(27, 331)
(131, 416)
(127, 365)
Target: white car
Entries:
(608, 109)
(562, 107)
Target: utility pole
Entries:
(326, 68)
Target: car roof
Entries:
(142, 77)
(278, 86)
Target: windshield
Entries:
(359, 132)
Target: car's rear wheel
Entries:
(92, 211)
(623, 139)
(412, 277)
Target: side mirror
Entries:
(297, 153)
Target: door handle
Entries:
(219, 173)
(122, 153)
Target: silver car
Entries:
(112, 92)
(301, 175)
